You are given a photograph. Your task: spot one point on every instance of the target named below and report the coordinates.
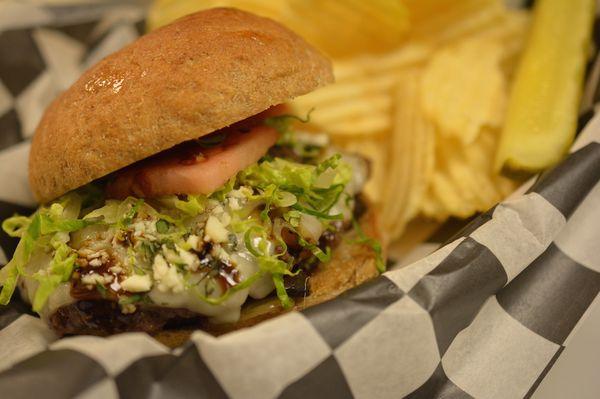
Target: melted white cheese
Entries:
(247, 266)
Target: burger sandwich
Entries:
(178, 192)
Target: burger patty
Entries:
(104, 317)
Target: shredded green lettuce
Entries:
(371, 242)
(323, 256)
(60, 271)
(267, 262)
(292, 217)
(282, 294)
(277, 268)
(220, 194)
(299, 188)
(116, 212)
(49, 224)
(130, 213)
(16, 226)
(47, 229)
(191, 205)
(248, 236)
(232, 290)
(162, 226)
(9, 274)
(318, 214)
(283, 125)
(300, 180)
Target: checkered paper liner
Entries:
(506, 309)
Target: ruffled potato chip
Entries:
(463, 88)
(411, 158)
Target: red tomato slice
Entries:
(193, 169)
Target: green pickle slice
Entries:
(542, 112)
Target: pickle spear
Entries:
(542, 112)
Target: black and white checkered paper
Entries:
(508, 308)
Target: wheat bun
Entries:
(199, 74)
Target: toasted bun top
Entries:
(185, 80)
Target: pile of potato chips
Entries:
(421, 89)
